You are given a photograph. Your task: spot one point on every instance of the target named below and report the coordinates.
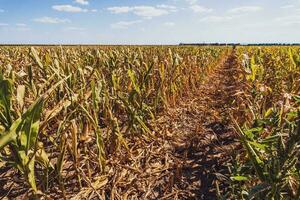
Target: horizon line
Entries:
(178, 44)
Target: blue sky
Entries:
(149, 22)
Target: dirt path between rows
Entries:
(205, 137)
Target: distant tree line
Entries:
(239, 44)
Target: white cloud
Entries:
(94, 10)
(82, 2)
(169, 24)
(288, 20)
(245, 9)
(74, 29)
(3, 24)
(124, 24)
(1, 10)
(118, 10)
(287, 6)
(21, 25)
(191, 1)
(69, 8)
(200, 9)
(51, 20)
(216, 19)
(167, 7)
(149, 11)
(143, 11)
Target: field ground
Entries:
(195, 143)
(190, 153)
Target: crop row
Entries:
(68, 109)
(268, 167)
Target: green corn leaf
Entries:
(27, 166)
(256, 161)
(3, 120)
(10, 135)
(270, 139)
(297, 98)
(61, 157)
(42, 157)
(30, 125)
(30, 174)
(147, 74)
(101, 150)
(250, 133)
(293, 64)
(133, 80)
(5, 102)
(239, 178)
(143, 125)
(268, 112)
(258, 145)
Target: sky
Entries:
(148, 22)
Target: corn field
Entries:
(269, 130)
(72, 119)
(70, 109)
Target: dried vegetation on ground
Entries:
(149, 122)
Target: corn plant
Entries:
(271, 135)
(21, 135)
